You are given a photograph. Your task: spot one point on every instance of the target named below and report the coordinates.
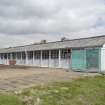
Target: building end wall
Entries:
(103, 58)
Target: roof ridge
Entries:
(58, 41)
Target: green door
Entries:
(78, 60)
(92, 58)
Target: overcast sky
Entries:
(28, 21)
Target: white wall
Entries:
(4, 61)
(30, 62)
(54, 63)
(51, 63)
(45, 63)
(103, 58)
(0, 61)
(36, 62)
(65, 63)
(18, 61)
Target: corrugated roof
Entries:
(75, 43)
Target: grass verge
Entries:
(85, 91)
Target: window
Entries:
(23, 55)
(8, 55)
(65, 53)
(30, 55)
(54, 54)
(18, 54)
(5, 56)
(14, 55)
(1, 55)
(45, 54)
(37, 54)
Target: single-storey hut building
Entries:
(84, 54)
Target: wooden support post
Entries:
(49, 58)
(26, 57)
(59, 58)
(0, 58)
(11, 56)
(16, 57)
(21, 58)
(33, 57)
(41, 59)
(7, 59)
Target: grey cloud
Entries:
(48, 16)
(41, 18)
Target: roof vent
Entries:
(64, 39)
(43, 41)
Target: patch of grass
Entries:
(85, 91)
(9, 100)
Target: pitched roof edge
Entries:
(57, 41)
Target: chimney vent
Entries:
(64, 39)
(43, 41)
